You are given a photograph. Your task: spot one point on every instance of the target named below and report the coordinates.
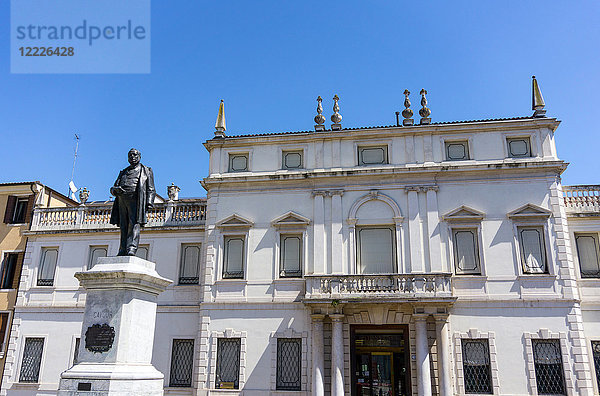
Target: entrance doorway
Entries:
(380, 361)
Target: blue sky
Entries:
(270, 60)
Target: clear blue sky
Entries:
(270, 60)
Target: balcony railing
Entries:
(403, 286)
(582, 199)
(94, 216)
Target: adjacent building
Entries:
(413, 259)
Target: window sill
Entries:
(231, 281)
(26, 385)
(470, 276)
(16, 224)
(536, 276)
(298, 279)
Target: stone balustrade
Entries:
(582, 199)
(402, 286)
(97, 216)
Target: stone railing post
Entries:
(35, 221)
(79, 216)
(169, 211)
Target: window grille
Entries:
(233, 262)
(587, 253)
(228, 363)
(47, 267)
(466, 253)
(76, 351)
(457, 151)
(548, 367)
(9, 267)
(291, 256)
(190, 265)
(533, 249)
(182, 363)
(289, 363)
(596, 355)
(32, 359)
(476, 366)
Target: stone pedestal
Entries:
(117, 336)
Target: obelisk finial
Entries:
(407, 112)
(220, 124)
(425, 112)
(537, 100)
(319, 118)
(336, 117)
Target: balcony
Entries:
(388, 287)
(97, 216)
(582, 200)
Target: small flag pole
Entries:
(71, 193)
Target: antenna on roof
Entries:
(72, 188)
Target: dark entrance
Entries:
(380, 361)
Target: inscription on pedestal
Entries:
(99, 338)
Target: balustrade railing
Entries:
(378, 285)
(96, 216)
(582, 199)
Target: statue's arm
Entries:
(151, 191)
(116, 188)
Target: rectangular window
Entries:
(182, 363)
(190, 265)
(233, 260)
(9, 268)
(3, 327)
(32, 360)
(533, 249)
(588, 254)
(547, 359)
(456, 151)
(372, 155)
(228, 363)
(466, 251)
(20, 212)
(292, 160)
(518, 147)
(238, 162)
(47, 266)
(596, 355)
(289, 364)
(95, 253)
(291, 256)
(376, 250)
(76, 351)
(142, 252)
(476, 366)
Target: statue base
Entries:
(117, 335)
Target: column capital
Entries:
(335, 192)
(338, 317)
(441, 317)
(317, 317)
(411, 188)
(420, 317)
(321, 193)
(433, 188)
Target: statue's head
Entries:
(134, 156)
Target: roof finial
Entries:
(336, 118)
(220, 124)
(319, 118)
(407, 112)
(425, 112)
(537, 100)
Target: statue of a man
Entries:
(134, 192)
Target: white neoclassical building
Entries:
(414, 259)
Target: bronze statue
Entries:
(134, 194)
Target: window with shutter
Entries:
(32, 359)
(95, 253)
(588, 255)
(182, 363)
(20, 212)
(233, 261)
(190, 264)
(533, 251)
(9, 267)
(466, 251)
(291, 256)
(10, 209)
(376, 250)
(47, 267)
(4, 317)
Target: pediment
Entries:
(529, 211)
(464, 213)
(235, 220)
(290, 219)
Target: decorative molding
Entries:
(289, 333)
(474, 334)
(228, 333)
(234, 221)
(290, 219)
(529, 211)
(374, 195)
(464, 213)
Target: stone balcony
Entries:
(432, 287)
(582, 200)
(190, 213)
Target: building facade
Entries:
(431, 259)
(18, 201)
